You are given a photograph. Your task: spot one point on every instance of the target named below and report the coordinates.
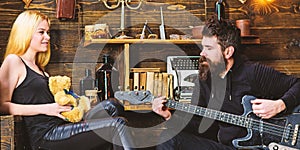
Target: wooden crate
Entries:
(128, 106)
(7, 132)
(13, 135)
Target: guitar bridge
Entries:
(276, 146)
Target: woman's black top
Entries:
(35, 90)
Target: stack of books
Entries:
(151, 79)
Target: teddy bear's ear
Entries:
(65, 82)
(52, 85)
(59, 83)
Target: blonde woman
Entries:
(24, 91)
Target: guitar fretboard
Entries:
(212, 114)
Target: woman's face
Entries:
(40, 38)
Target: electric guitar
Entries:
(274, 133)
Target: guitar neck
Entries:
(210, 113)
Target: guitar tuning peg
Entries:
(144, 93)
(136, 93)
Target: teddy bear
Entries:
(60, 88)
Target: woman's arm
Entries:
(51, 109)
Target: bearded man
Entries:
(225, 77)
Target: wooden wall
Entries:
(276, 24)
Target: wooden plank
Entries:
(137, 107)
(139, 41)
(126, 66)
(136, 81)
(7, 132)
(128, 106)
(144, 69)
(271, 52)
(150, 81)
(250, 40)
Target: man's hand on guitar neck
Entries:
(266, 109)
(159, 107)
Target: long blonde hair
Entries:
(21, 34)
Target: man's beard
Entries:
(203, 68)
(206, 67)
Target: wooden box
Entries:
(7, 132)
(13, 135)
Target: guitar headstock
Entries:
(134, 97)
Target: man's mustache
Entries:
(203, 68)
(202, 59)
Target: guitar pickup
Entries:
(295, 134)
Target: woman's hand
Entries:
(266, 109)
(159, 107)
(55, 109)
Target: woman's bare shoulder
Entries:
(12, 61)
(12, 57)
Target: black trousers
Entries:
(189, 141)
(97, 131)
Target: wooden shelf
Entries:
(137, 107)
(250, 39)
(125, 44)
(95, 42)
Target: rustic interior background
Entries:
(276, 24)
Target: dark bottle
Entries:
(220, 9)
(87, 83)
(106, 79)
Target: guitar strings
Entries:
(279, 131)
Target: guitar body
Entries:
(260, 136)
